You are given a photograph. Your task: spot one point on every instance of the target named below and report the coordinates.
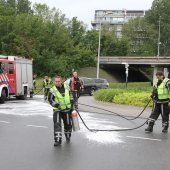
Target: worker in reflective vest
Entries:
(160, 96)
(59, 98)
(47, 84)
(34, 81)
(76, 86)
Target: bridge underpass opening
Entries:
(136, 73)
(141, 69)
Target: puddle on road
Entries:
(27, 108)
(100, 137)
(39, 107)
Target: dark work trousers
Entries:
(76, 95)
(34, 86)
(57, 117)
(46, 90)
(160, 108)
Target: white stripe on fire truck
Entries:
(6, 81)
(0, 78)
(7, 77)
(4, 78)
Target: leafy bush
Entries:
(132, 98)
(136, 94)
(107, 95)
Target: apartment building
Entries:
(115, 18)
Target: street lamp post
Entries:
(159, 37)
(99, 44)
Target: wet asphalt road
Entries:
(26, 142)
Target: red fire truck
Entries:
(16, 78)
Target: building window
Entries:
(108, 19)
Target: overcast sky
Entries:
(84, 9)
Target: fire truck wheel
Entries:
(3, 97)
(23, 97)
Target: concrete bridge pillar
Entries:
(166, 72)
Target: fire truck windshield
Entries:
(2, 67)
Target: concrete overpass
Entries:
(142, 61)
(158, 63)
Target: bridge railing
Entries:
(135, 60)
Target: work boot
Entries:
(68, 136)
(165, 127)
(57, 142)
(45, 98)
(150, 127)
(68, 139)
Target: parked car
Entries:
(92, 84)
(89, 85)
(101, 83)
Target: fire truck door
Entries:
(12, 78)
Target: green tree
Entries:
(24, 6)
(77, 30)
(90, 40)
(44, 35)
(160, 10)
(111, 45)
(11, 3)
(141, 36)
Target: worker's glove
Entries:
(56, 105)
(72, 101)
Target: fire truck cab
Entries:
(16, 78)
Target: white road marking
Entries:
(45, 127)
(1, 121)
(135, 137)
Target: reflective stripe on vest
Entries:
(163, 92)
(64, 102)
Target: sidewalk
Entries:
(120, 109)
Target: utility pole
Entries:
(99, 43)
(159, 37)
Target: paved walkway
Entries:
(121, 109)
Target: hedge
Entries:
(107, 95)
(132, 98)
(120, 96)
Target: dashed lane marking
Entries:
(142, 138)
(45, 127)
(1, 121)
